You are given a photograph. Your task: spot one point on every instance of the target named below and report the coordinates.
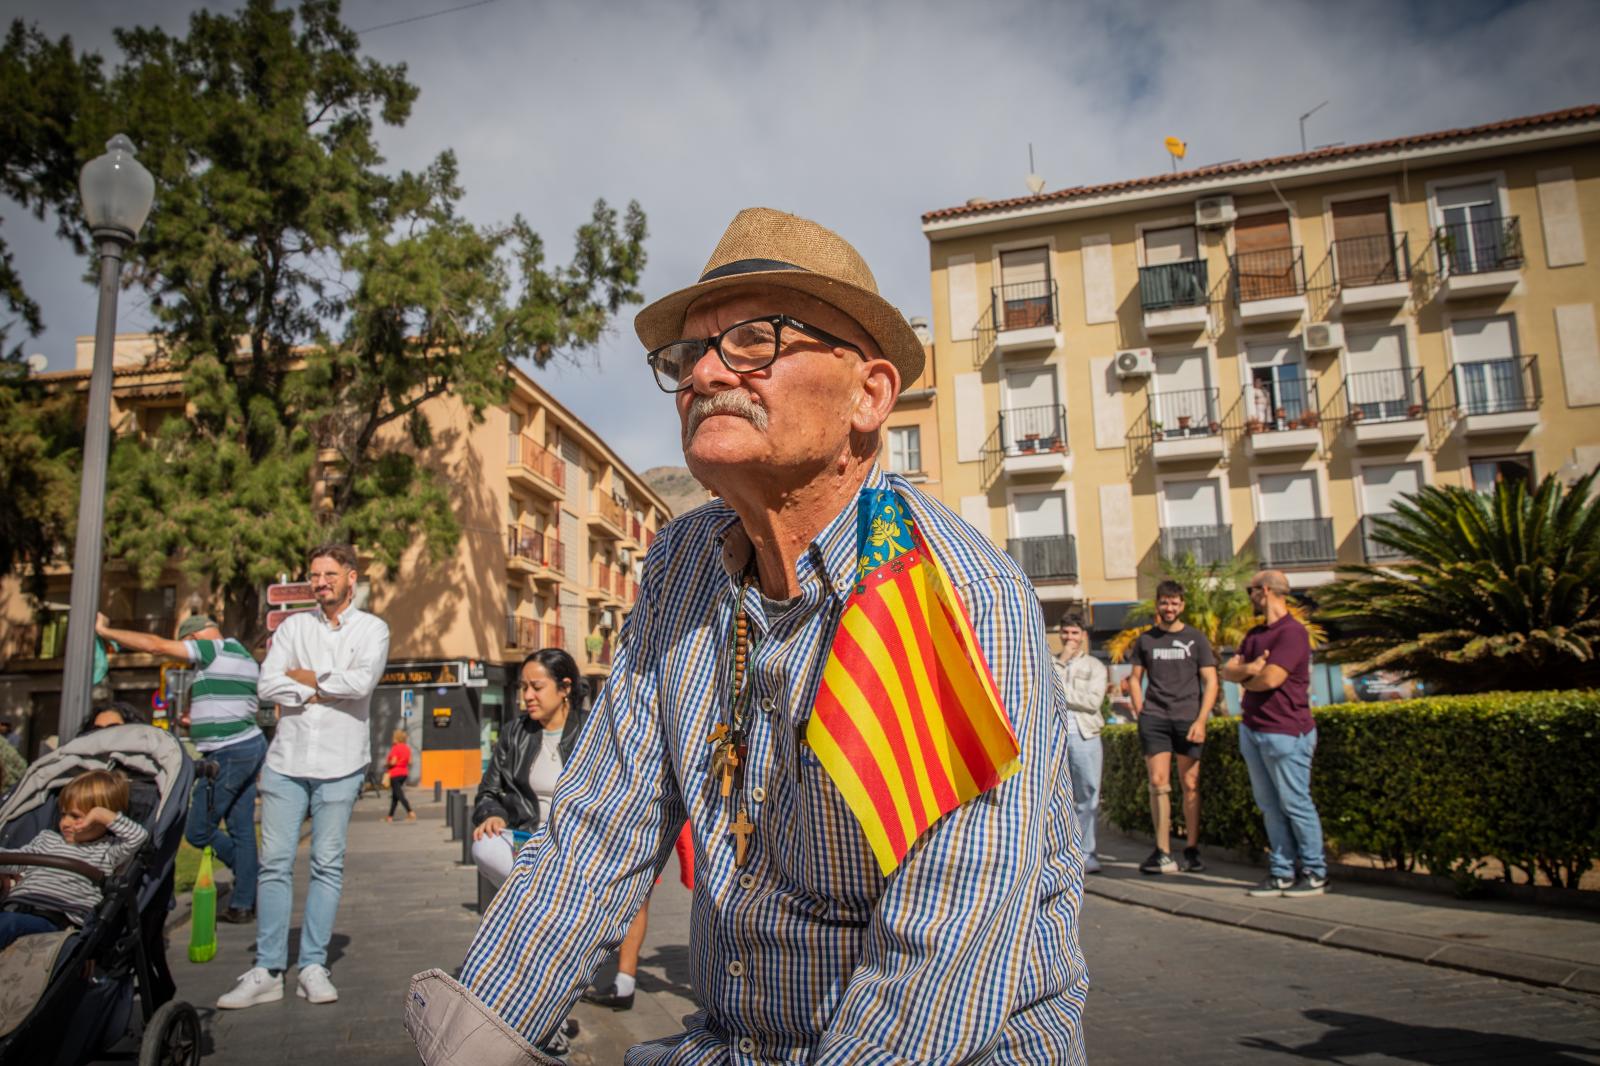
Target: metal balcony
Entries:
(1182, 425)
(1498, 395)
(1479, 258)
(1269, 284)
(1371, 272)
(1296, 542)
(1028, 440)
(1282, 416)
(1046, 558)
(1206, 544)
(1373, 551)
(1173, 296)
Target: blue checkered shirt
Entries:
(968, 952)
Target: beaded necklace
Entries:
(728, 738)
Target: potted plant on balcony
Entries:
(1254, 425)
(1357, 414)
(1183, 421)
(1213, 427)
(1311, 420)
(1158, 430)
(1414, 411)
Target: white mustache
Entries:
(723, 403)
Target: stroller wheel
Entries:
(172, 1038)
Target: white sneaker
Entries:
(257, 986)
(1091, 865)
(315, 986)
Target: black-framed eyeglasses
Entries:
(743, 347)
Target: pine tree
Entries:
(312, 301)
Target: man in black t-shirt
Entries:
(1177, 664)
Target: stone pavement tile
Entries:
(1584, 979)
(1213, 910)
(1382, 942)
(1295, 925)
(1503, 963)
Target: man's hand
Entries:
(490, 826)
(1253, 668)
(1197, 730)
(101, 623)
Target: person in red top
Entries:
(1278, 738)
(399, 768)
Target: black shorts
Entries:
(1158, 735)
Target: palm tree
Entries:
(1215, 603)
(1497, 592)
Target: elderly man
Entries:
(784, 362)
(1278, 737)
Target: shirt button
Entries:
(735, 968)
(747, 1046)
(768, 705)
(747, 881)
(758, 793)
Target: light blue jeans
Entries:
(1084, 759)
(284, 802)
(1280, 778)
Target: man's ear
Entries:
(880, 385)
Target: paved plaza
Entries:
(1167, 988)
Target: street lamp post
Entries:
(117, 193)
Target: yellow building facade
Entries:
(1261, 357)
(554, 527)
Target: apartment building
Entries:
(554, 527)
(1262, 356)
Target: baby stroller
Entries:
(86, 1003)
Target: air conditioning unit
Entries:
(1214, 211)
(1135, 363)
(1324, 337)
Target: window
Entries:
(1381, 486)
(1279, 395)
(1191, 521)
(1033, 410)
(1380, 383)
(1289, 497)
(1473, 234)
(1040, 542)
(1363, 248)
(1488, 371)
(1024, 289)
(1183, 402)
(1490, 470)
(905, 449)
(1173, 274)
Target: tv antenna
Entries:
(1303, 118)
(1035, 182)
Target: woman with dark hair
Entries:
(514, 797)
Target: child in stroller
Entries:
(67, 997)
(94, 831)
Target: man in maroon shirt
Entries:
(1278, 737)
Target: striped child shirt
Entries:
(62, 890)
(222, 698)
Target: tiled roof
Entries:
(1552, 118)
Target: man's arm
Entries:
(1209, 688)
(1270, 677)
(276, 685)
(148, 643)
(359, 681)
(577, 884)
(1136, 690)
(951, 949)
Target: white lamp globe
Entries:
(117, 190)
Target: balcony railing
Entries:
(1287, 403)
(1497, 386)
(554, 636)
(1173, 285)
(1295, 542)
(1386, 395)
(1031, 430)
(1268, 274)
(1379, 259)
(525, 451)
(602, 654)
(522, 633)
(1205, 544)
(536, 547)
(1479, 247)
(1185, 413)
(1371, 549)
(610, 510)
(1024, 304)
(1046, 558)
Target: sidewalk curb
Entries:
(1433, 951)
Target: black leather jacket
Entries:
(503, 793)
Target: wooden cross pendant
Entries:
(729, 757)
(741, 829)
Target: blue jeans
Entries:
(284, 802)
(14, 924)
(1084, 759)
(1280, 778)
(231, 798)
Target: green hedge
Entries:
(1442, 782)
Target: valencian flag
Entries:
(908, 722)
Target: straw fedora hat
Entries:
(773, 248)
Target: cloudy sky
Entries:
(863, 116)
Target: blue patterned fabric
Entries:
(968, 952)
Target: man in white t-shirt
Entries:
(222, 725)
(1084, 679)
(321, 671)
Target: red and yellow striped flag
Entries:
(908, 722)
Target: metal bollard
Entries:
(450, 814)
(460, 832)
(438, 791)
(466, 848)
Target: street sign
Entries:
(290, 592)
(449, 674)
(277, 618)
(477, 675)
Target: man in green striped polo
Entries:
(222, 725)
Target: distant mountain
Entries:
(677, 486)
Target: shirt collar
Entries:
(830, 558)
(348, 615)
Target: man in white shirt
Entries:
(1084, 679)
(321, 670)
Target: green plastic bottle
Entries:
(203, 915)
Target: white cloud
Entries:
(864, 116)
